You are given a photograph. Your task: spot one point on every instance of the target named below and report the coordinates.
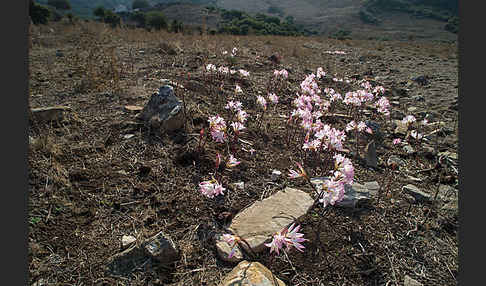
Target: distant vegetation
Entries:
(442, 10)
(241, 23)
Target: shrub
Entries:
(38, 13)
(111, 18)
(140, 18)
(156, 20)
(368, 17)
(140, 4)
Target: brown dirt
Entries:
(89, 185)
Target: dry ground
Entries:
(89, 185)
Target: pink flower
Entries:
(293, 174)
(231, 240)
(237, 126)
(241, 116)
(218, 136)
(232, 162)
(210, 67)
(409, 119)
(416, 135)
(278, 241)
(261, 100)
(244, 72)
(397, 141)
(294, 238)
(273, 98)
(320, 73)
(238, 89)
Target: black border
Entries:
(15, 91)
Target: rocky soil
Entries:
(104, 186)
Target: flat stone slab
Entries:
(417, 193)
(48, 114)
(260, 221)
(251, 274)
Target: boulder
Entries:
(163, 112)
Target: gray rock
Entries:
(257, 223)
(371, 156)
(239, 186)
(419, 195)
(127, 261)
(161, 248)
(223, 249)
(163, 111)
(251, 274)
(49, 114)
(353, 195)
(409, 281)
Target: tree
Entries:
(138, 4)
(38, 13)
(59, 4)
(111, 18)
(156, 20)
(99, 12)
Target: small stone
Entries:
(133, 108)
(224, 249)
(128, 136)
(239, 186)
(371, 156)
(412, 109)
(414, 179)
(394, 160)
(416, 193)
(161, 248)
(275, 175)
(401, 128)
(251, 274)
(127, 240)
(408, 149)
(409, 281)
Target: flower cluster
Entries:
(225, 70)
(335, 52)
(332, 189)
(211, 188)
(217, 127)
(361, 127)
(281, 73)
